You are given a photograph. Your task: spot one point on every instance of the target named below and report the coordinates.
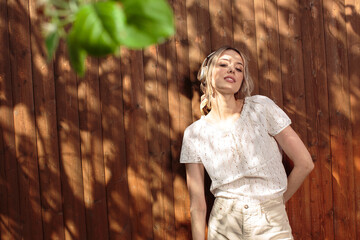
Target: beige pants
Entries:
(233, 219)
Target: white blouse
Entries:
(244, 160)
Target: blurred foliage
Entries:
(99, 28)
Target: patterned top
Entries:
(244, 160)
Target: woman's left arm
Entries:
(295, 149)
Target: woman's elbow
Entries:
(198, 206)
(304, 163)
(308, 164)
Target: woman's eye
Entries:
(239, 69)
(222, 65)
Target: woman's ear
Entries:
(203, 72)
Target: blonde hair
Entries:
(205, 75)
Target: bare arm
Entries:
(297, 152)
(195, 184)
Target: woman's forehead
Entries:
(231, 55)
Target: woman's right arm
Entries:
(195, 184)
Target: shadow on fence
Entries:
(97, 157)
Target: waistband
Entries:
(237, 204)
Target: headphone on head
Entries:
(204, 67)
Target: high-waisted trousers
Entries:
(233, 219)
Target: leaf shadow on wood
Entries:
(107, 146)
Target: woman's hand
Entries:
(195, 184)
(297, 152)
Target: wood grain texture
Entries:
(10, 208)
(181, 116)
(317, 111)
(221, 23)
(157, 107)
(292, 75)
(46, 131)
(24, 120)
(198, 28)
(92, 152)
(136, 145)
(268, 50)
(244, 32)
(352, 19)
(67, 110)
(112, 115)
(340, 124)
(98, 157)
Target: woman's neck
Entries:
(225, 107)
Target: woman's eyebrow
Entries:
(229, 60)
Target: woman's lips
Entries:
(229, 79)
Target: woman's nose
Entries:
(231, 69)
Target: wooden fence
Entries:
(98, 157)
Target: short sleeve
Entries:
(276, 118)
(190, 149)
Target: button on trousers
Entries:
(233, 219)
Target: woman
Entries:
(237, 141)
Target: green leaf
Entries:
(51, 42)
(147, 22)
(77, 55)
(98, 28)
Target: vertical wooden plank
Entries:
(4, 218)
(157, 108)
(92, 153)
(244, 31)
(352, 13)
(221, 23)
(180, 115)
(317, 110)
(165, 143)
(181, 203)
(198, 28)
(136, 144)
(340, 124)
(112, 114)
(46, 132)
(24, 121)
(268, 49)
(69, 146)
(153, 137)
(10, 225)
(292, 75)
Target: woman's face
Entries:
(228, 74)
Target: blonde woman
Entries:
(237, 142)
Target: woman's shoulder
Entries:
(194, 129)
(260, 100)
